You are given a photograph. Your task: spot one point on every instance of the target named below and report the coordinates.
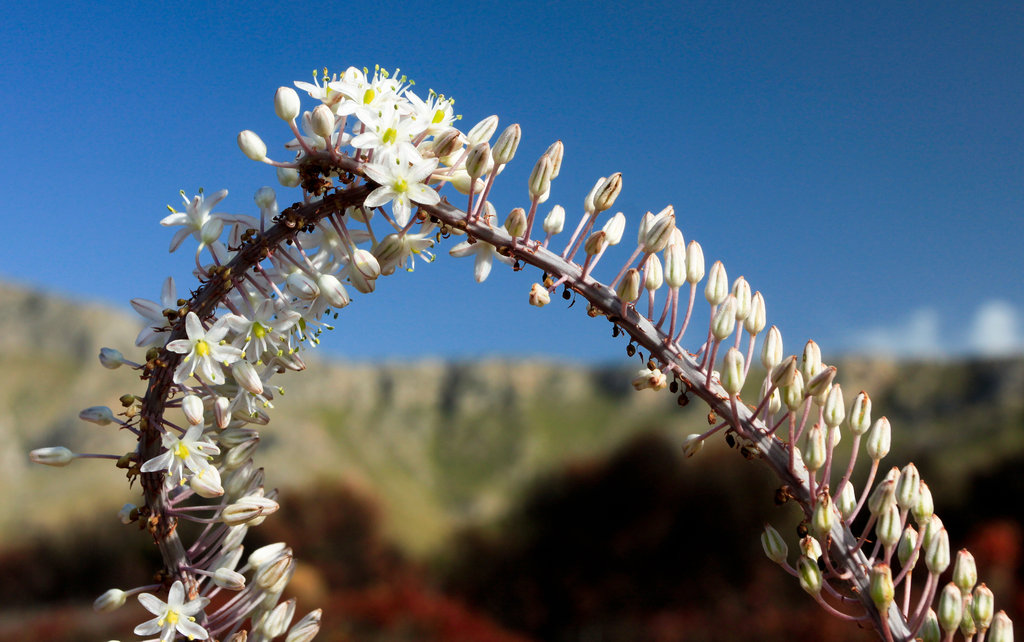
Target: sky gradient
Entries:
(861, 166)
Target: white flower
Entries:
(191, 453)
(173, 616)
(436, 112)
(485, 255)
(203, 350)
(392, 130)
(198, 221)
(262, 333)
(153, 313)
(401, 182)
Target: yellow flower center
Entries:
(258, 330)
(181, 451)
(202, 348)
(390, 135)
(401, 185)
(438, 117)
(368, 96)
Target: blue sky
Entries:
(861, 165)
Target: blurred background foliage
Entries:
(490, 500)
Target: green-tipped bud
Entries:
(909, 487)
(847, 500)
(883, 497)
(810, 575)
(515, 222)
(925, 506)
(816, 451)
(810, 361)
(1001, 630)
(810, 548)
(724, 321)
(732, 372)
(860, 414)
(771, 351)
(773, 544)
(951, 609)
(889, 528)
(694, 262)
(879, 439)
(835, 409)
(741, 290)
(881, 588)
(965, 571)
(482, 131)
(793, 394)
(555, 151)
(823, 517)
(907, 545)
(596, 242)
(554, 222)
(588, 202)
(446, 143)
(784, 373)
(717, 288)
(659, 231)
(252, 145)
(675, 265)
(936, 558)
(478, 160)
(629, 287)
(967, 625)
(820, 385)
(982, 607)
(931, 529)
(540, 177)
(286, 104)
(52, 456)
(608, 192)
(505, 147)
(692, 444)
(654, 275)
(930, 631)
(756, 320)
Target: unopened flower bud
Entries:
(773, 544)
(306, 629)
(277, 621)
(810, 361)
(539, 295)
(629, 287)
(222, 412)
(609, 191)
(555, 152)
(694, 262)
(482, 131)
(478, 160)
(614, 227)
(505, 147)
(111, 600)
(301, 286)
(52, 456)
(659, 231)
(846, 502)
(925, 506)
(286, 104)
(883, 497)
(446, 143)
(515, 222)
(756, 319)
(724, 321)
(810, 575)
(881, 588)
(810, 548)
(834, 410)
(982, 607)
(950, 609)
(270, 574)
(650, 378)
(675, 265)
(1001, 630)
(588, 202)
(906, 548)
(99, 415)
(820, 385)
(930, 630)
(363, 270)
(908, 487)
(879, 439)
(206, 483)
(229, 579)
(239, 454)
(860, 414)
(654, 275)
(967, 626)
(741, 290)
(937, 556)
(248, 509)
(192, 406)
(267, 554)
(596, 242)
(823, 517)
(321, 121)
(965, 571)
(717, 288)
(333, 291)
(793, 394)
(246, 376)
(692, 444)
(252, 145)
(554, 222)
(288, 177)
(111, 358)
(732, 372)
(888, 528)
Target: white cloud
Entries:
(917, 336)
(995, 330)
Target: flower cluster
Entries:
(371, 158)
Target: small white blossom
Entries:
(173, 616)
(198, 221)
(203, 350)
(190, 452)
(401, 181)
